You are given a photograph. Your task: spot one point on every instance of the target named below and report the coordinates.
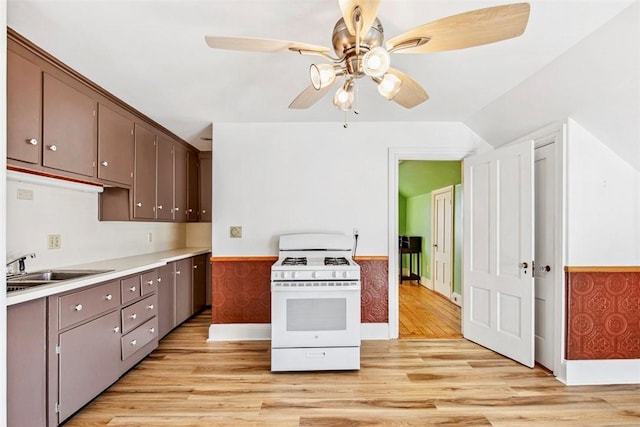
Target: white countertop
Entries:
(120, 267)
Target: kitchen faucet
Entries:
(11, 271)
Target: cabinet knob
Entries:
(53, 148)
(152, 330)
(78, 307)
(32, 141)
(204, 211)
(109, 297)
(133, 342)
(159, 279)
(190, 210)
(132, 289)
(116, 329)
(150, 307)
(160, 207)
(133, 316)
(195, 266)
(150, 282)
(139, 204)
(177, 271)
(105, 163)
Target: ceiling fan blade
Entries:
(474, 28)
(250, 44)
(310, 96)
(368, 8)
(411, 93)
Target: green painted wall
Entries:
(419, 224)
(402, 215)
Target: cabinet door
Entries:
(144, 184)
(24, 109)
(193, 189)
(183, 290)
(115, 146)
(69, 128)
(26, 363)
(205, 187)
(89, 362)
(199, 282)
(165, 180)
(166, 299)
(180, 207)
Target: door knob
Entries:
(544, 268)
(524, 265)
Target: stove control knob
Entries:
(334, 274)
(283, 274)
(294, 274)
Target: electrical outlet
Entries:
(24, 194)
(54, 241)
(150, 237)
(235, 231)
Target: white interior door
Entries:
(545, 171)
(498, 291)
(442, 240)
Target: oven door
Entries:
(318, 317)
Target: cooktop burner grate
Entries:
(335, 261)
(295, 261)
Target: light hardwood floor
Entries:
(427, 314)
(190, 382)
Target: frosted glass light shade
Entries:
(343, 99)
(375, 63)
(322, 75)
(389, 86)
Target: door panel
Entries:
(498, 251)
(442, 250)
(144, 184)
(115, 146)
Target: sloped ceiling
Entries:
(153, 56)
(421, 177)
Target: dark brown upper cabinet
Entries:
(165, 180)
(205, 186)
(193, 187)
(69, 128)
(115, 146)
(181, 186)
(144, 183)
(24, 109)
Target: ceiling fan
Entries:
(360, 49)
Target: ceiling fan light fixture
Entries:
(344, 97)
(375, 63)
(322, 75)
(389, 86)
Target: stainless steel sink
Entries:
(29, 280)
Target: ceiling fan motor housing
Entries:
(344, 44)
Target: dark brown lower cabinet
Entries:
(199, 282)
(89, 362)
(166, 300)
(27, 364)
(183, 290)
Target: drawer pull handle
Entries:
(150, 307)
(152, 330)
(116, 329)
(134, 342)
(150, 282)
(109, 297)
(133, 316)
(78, 307)
(132, 289)
(33, 141)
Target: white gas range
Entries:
(315, 304)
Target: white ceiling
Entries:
(152, 55)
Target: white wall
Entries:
(3, 154)
(74, 215)
(274, 179)
(603, 203)
(596, 82)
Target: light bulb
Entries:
(375, 63)
(343, 99)
(322, 75)
(389, 86)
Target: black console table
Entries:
(411, 245)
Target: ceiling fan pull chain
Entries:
(345, 125)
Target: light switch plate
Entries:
(235, 231)
(54, 241)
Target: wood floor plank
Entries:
(426, 314)
(189, 382)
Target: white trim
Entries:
(240, 332)
(456, 298)
(262, 331)
(599, 372)
(427, 283)
(374, 331)
(395, 155)
(53, 182)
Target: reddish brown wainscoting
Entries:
(241, 289)
(603, 314)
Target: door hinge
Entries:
(533, 268)
(58, 350)
(57, 408)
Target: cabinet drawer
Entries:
(82, 305)
(130, 288)
(148, 283)
(138, 313)
(139, 337)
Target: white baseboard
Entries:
(426, 283)
(456, 299)
(262, 331)
(601, 372)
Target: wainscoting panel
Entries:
(603, 313)
(241, 289)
